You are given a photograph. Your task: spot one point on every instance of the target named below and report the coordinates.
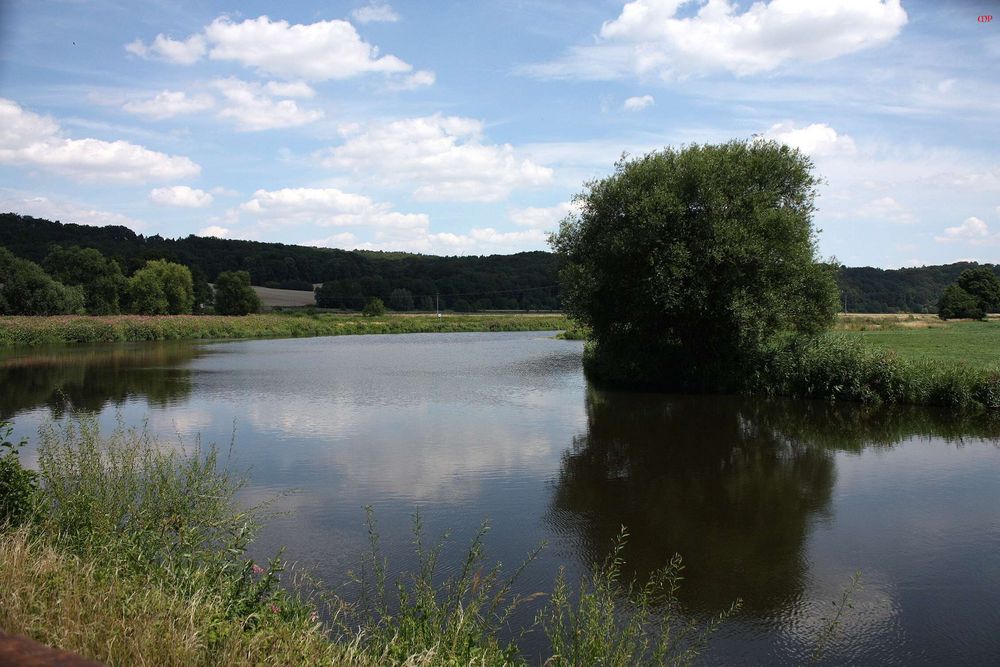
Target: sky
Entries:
(468, 127)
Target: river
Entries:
(775, 502)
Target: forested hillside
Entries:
(523, 280)
(519, 281)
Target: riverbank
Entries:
(28, 331)
(128, 552)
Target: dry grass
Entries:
(64, 601)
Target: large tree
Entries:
(101, 278)
(234, 295)
(688, 264)
(25, 289)
(161, 288)
(984, 285)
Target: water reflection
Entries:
(734, 485)
(91, 378)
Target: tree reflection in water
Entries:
(72, 379)
(732, 484)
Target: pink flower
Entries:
(257, 569)
(275, 608)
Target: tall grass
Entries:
(20, 331)
(135, 553)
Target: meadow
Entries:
(19, 330)
(974, 344)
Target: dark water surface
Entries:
(775, 502)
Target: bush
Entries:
(686, 265)
(17, 484)
(234, 295)
(100, 278)
(374, 307)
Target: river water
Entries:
(775, 502)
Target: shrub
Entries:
(161, 288)
(957, 303)
(374, 307)
(17, 484)
(25, 289)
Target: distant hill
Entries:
(522, 280)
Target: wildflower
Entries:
(275, 608)
(313, 617)
(257, 569)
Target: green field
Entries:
(970, 343)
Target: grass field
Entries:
(961, 342)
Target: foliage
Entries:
(842, 368)
(604, 627)
(133, 328)
(373, 308)
(522, 281)
(687, 264)
(25, 289)
(401, 299)
(957, 303)
(101, 278)
(204, 295)
(907, 290)
(161, 288)
(17, 483)
(233, 294)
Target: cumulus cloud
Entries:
(180, 195)
(169, 103)
(182, 52)
(972, 231)
(214, 230)
(818, 139)
(327, 207)
(649, 38)
(445, 157)
(29, 139)
(317, 51)
(545, 218)
(638, 103)
(376, 12)
(65, 211)
(887, 208)
(253, 108)
(418, 79)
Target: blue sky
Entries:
(467, 127)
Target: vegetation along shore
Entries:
(15, 331)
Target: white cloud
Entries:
(418, 79)
(327, 207)
(818, 139)
(638, 103)
(887, 208)
(477, 241)
(253, 109)
(180, 195)
(445, 157)
(972, 230)
(169, 103)
(64, 211)
(345, 240)
(649, 39)
(545, 218)
(214, 230)
(316, 51)
(290, 89)
(37, 141)
(182, 52)
(376, 12)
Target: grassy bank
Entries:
(975, 344)
(16, 331)
(131, 553)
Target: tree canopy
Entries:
(161, 288)
(686, 264)
(25, 289)
(101, 278)
(233, 294)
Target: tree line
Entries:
(77, 281)
(405, 281)
(523, 281)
